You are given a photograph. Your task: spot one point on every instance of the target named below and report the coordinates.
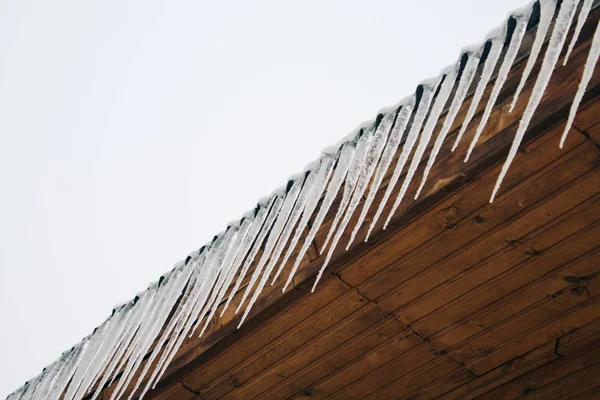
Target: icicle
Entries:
(216, 276)
(67, 370)
(375, 152)
(320, 182)
(172, 287)
(115, 338)
(224, 263)
(104, 352)
(547, 9)
(286, 232)
(177, 286)
(150, 297)
(87, 359)
(192, 306)
(179, 319)
(590, 65)
(313, 196)
(583, 14)
(321, 178)
(57, 369)
(434, 115)
(486, 74)
(559, 34)
(187, 301)
(34, 385)
(266, 229)
(386, 160)
(459, 98)
(117, 351)
(47, 379)
(279, 219)
(351, 179)
(230, 267)
(210, 273)
(144, 305)
(295, 216)
(343, 163)
(429, 89)
(522, 19)
(354, 171)
(257, 223)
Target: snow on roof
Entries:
(358, 163)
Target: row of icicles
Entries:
(199, 284)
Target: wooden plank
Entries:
(587, 116)
(336, 359)
(442, 385)
(331, 314)
(531, 318)
(388, 372)
(591, 394)
(487, 305)
(570, 385)
(535, 293)
(310, 351)
(389, 350)
(579, 316)
(479, 272)
(545, 375)
(594, 133)
(581, 337)
(248, 344)
(417, 379)
(504, 373)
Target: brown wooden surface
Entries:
(458, 298)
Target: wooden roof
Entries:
(458, 298)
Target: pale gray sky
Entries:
(132, 131)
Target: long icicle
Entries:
(286, 232)
(436, 109)
(429, 89)
(559, 34)
(253, 232)
(362, 147)
(522, 19)
(265, 229)
(349, 184)
(588, 71)
(319, 186)
(459, 97)
(320, 182)
(277, 226)
(232, 263)
(486, 74)
(547, 9)
(218, 274)
(309, 180)
(148, 331)
(316, 191)
(343, 163)
(581, 18)
(195, 303)
(386, 160)
(371, 161)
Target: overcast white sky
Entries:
(131, 132)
